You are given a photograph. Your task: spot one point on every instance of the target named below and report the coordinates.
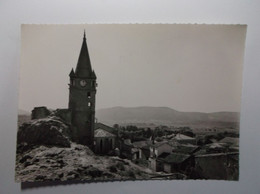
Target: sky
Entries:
(187, 67)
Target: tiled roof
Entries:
(232, 140)
(216, 154)
(158, 144)
(102, 133)
(215, 145)
(140, 144)
(175, 158)
(185, 149)
(183, 137)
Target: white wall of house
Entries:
(163, 148)
(167, 168)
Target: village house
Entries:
(217, 166)
(184, 139)
(159, 148)
(104, 141)
(136, 150)
(174, 163)
(232, 141)
(185, 149)
(156, 150)
(143, 148)
(127, 150)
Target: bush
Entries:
(120, 166)
(112, 169)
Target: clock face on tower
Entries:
(83, 83)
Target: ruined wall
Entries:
(40, 112)
(64, 114)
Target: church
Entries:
(80, 114)
(82, 94)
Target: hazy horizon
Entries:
(189, 68)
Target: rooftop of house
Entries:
(216, 145)
(182, 137)
(159, 144)
(229, 154)
(173, 158)
(231, 140)
(134, 150)
(174, 143)
(102, 133)
(141, 144)
(185, 149)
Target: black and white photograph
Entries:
(108, 102)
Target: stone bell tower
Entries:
(82, 94)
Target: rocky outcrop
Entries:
(49, 131)
(78, 162)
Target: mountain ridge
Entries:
(147, 114)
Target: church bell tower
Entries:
(82, 94)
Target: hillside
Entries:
(163, 116)
(45, 152)
(45, 163)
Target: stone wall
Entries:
(64, 114)
(220, 166)
(40, 112)
(104, 144)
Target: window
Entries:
(88, 95)
(72, 82)
(89, 104)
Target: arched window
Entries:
(89, 104)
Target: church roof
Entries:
(102, 133)
(83, 68)
(72, 73)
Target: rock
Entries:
(26, 157)
(27, 164)
(112, 169)
(78, 162)
(40, 177)
(120, 166)
(35, 160)
(94, 172)
(48, 131)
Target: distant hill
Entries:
(163, 116)
(23, 112)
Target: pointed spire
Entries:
(84, 37)
(72, 73)
(93, 74)
(83, 68)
